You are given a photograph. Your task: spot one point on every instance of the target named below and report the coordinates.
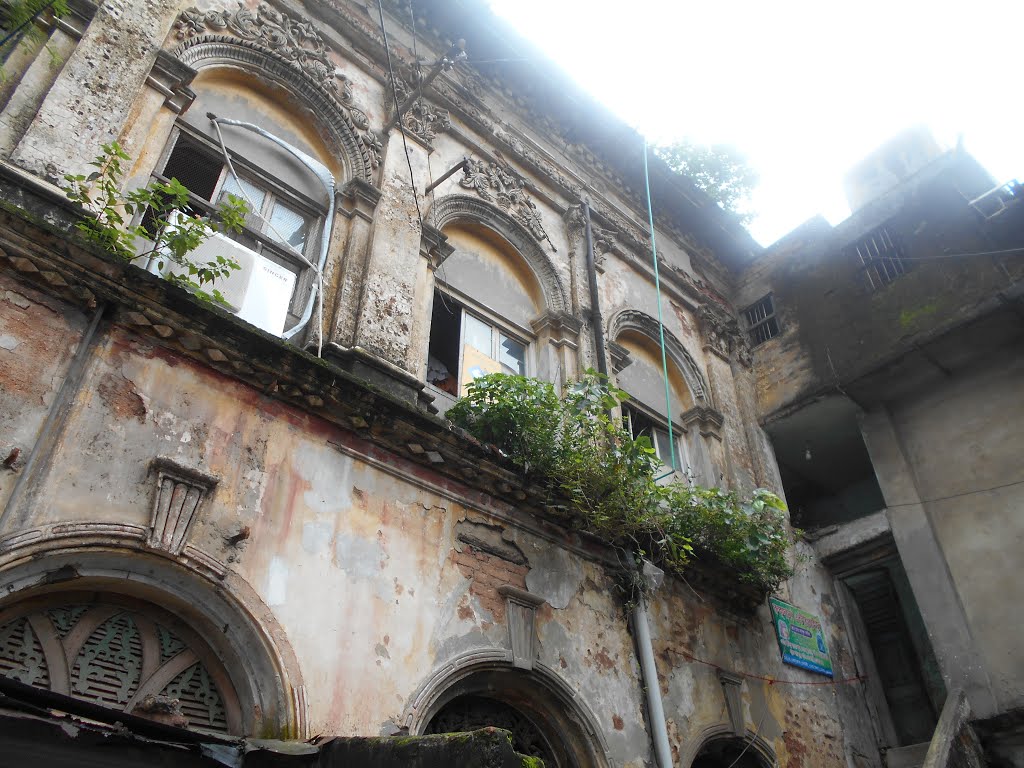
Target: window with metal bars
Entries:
(761, 321)
(881, 256)
(282, 226)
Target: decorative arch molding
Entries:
(357, 148)
(724, 731)
(635, 320)
(454, 208)
(476, 671)
(227, 613)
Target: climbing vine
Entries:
(591, 466)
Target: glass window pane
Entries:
(512, 356)
(287, 225)
(478, 335)
(246, 190)
(664, 448)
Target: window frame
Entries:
(765, 328)
(257, 240)
(659, 424)
(503, 327)
(879, 268)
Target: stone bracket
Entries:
(521, 608)
(707, 420)
(732, 685)
(179, 495)
(434, 246)
(171, 77)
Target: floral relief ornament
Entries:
(499, 184)
(296, 41)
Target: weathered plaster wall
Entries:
(38, 337)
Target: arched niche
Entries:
(537, 705)
(241, 95)
(473, 212)
(129, 593)
(644, 378)
(314, 104)
(486, 268)
(642, 330)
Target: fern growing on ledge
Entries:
(590, 464)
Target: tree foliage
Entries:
(17, 20)
(174, 233)
(719, 169)
(588, 462)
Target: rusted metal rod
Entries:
(447, 174)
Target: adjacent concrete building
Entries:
(889, 362)
(258, 523)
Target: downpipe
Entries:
(653, 578)
(595, 300)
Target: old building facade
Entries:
(262, 513)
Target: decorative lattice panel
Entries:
(21, 655)
(125, 655)
(469, 713)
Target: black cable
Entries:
(955, 495)
(398, 114)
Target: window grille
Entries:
(761, 321)
(881, 257)
(116, 654)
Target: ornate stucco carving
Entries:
(421, 118)
(295, 40)
(294, 54)
(631, 319)
(499, 184)
(722, 334)
(463, 207)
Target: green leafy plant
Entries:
(17, 23)
(173, 231)
(576, 448)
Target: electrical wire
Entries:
(753, 736)
(398, 113)
(771, 680)
(955, 495)
(957, 255)
(661, 324)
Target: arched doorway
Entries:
(546, 717)
(730, 752)
(468, 713)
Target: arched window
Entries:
(645, 413)
(485, 302)
(280, 248)
(121, 653)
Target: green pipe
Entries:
(661, 324)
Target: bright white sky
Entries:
(805, 88)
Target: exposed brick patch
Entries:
(120, 396)
(486, 573)
(617, 723)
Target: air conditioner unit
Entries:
(259, 292)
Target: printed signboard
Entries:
(801, 638)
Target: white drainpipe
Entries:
(653, 577)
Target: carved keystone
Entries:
(180, 492)
(521, 608)
(731, 685)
